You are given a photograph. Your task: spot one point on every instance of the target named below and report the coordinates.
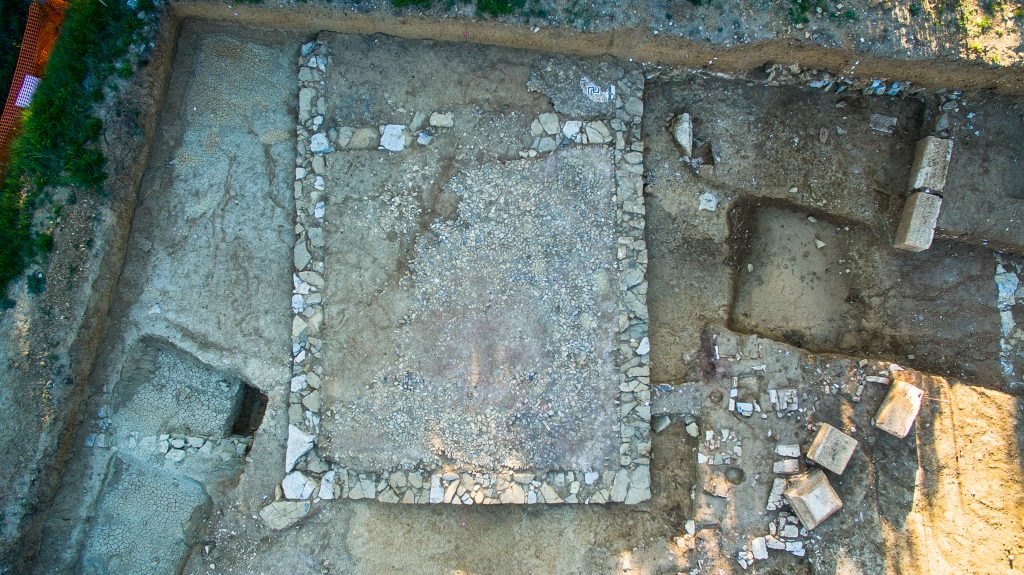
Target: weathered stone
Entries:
(301, 256)
(682, 131)
(442, 120)
(899, 409)
(363, 139)
(917, 224)
(831, 448)
(759, 548)
(549, 123)
(812, 498)
(392, 138)
(326, 490)
(281, 514)
(319, 164)
(306, 96)
(299, 442)
(319, 144)
(297, 486)
(786, 466)
(931, 162)
(882, 123)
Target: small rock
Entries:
(319, 144)
(392, 138)
(660, 423)
(707, 201)
(442, 120)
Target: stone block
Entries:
(831, 449)
(917, 224)
(899, 409)
(812, 498)
(682, 131)
(931, 161)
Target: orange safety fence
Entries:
(41, 29)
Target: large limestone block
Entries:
(812, 498)
(899, 409)
(831, 449)
(931, 162)
(917, 225)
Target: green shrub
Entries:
(57, 140)
(36, 283)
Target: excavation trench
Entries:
(695, 277)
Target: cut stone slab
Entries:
(931, 162)
(682, 131)
(281, 514)
(917, 224)
(812, 498)
(831, 449)
(899, 409)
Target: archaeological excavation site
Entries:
(528, 287)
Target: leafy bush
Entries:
(56, 144)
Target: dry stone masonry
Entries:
(308, 476)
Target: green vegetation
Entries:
(404, 3)
(56, 144)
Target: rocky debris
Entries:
(917, 222)
(682, 131)
(931, 162)
(831, 448)
(812, 498)
(282, 514)
(900, 407)
(775, 498)
(723, 448)
(882, 123)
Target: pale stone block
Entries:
(812, 498)
(831, 449)
(899, 409)
(931, 162)
(917, 225)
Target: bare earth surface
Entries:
(471, 309)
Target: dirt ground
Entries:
(198, 320)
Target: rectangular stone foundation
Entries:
(470, 315)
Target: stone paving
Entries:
(545, 251)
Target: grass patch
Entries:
(57, 141)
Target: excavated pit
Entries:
(208, 278)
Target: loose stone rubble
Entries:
(309, 477)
